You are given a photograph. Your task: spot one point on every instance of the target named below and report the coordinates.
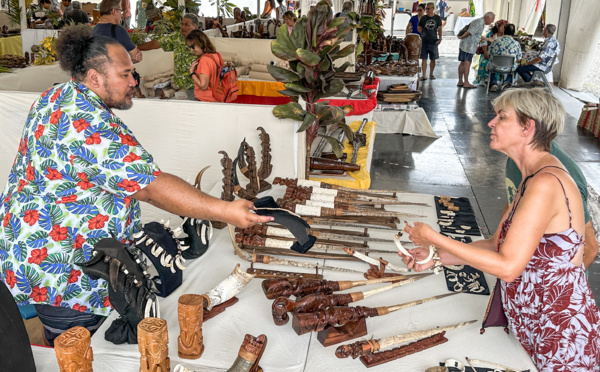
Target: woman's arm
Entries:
(201, 81)
(408, 28)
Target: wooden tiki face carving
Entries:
(73, 350)
(190, 315)
(153, 341)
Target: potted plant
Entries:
(310, 51)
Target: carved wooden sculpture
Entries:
(375, 359)
(249, 355)
(320, 233)
(330, 164)
(153, 342)
(301, 287)
(246, 160)
(73, 351)
(265, 159)
(320, 301)
(338, 315)
(342, 196)
(190, 313)
(361, 348)
(316, 211)
(228, 170)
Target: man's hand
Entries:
(240, 214)
(438, 41)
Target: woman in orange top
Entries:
(204, 70)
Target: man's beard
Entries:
(124, 104)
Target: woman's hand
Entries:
(420, 234)
(418, 254)
(193, 66)
(239, 214)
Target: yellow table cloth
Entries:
(11, 45)
(260, 88)
(361, 179)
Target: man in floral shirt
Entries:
(549, 49)
(183, 57)
(78, 177)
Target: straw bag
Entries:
(590, 119)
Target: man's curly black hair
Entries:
(79, 51)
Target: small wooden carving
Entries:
(314, 322)
(375, 359)
(249, 355)
(328, 164)
(218, 309)
(308, 304)
(228, 170)
(73, 350)
(375, 272)
(349, 331)
(278, 274)
(153, 342)
(301, 287)
(190, 313)
(265, 159)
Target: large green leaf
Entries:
(341, 34)
(309, 119)
(360, 48)
(289, 93)
(348, 132)
(298, 87)
(298, 36)
(283, 51)
(334, 87)
(343, 67)
(346, 51)
(290, 110)
(307, 57)
(336, 147)
(309, 73)
(282, 74)
(336, 22)
(325, 64)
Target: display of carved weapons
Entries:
(267, 259)
(320, 301)
(265, 159)
(249, 355)
(73, 350)
(341, 197)
(325, 185)
(315, 211)
(373, 261)
(361, 348)
(330, 164)
(339, 315)
(376, 223)
(274, 288)
(359, 140)
(320, 234)
(375, 359)
(153, 343)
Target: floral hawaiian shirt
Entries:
(183, 58)
(470, 43)
(506, 45)
(70, 186)
(549, 49)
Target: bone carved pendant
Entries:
(73, 350)
(153, 342)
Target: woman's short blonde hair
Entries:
(539, 105)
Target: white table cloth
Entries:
(462, 22)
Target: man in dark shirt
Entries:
(76, 15)
(430, 27)
(109, 25)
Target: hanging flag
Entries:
(472, 8)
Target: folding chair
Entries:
(542, 75)
(502, 64)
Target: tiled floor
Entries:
(460, 162)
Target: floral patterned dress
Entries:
(70, 186)
(550, 307)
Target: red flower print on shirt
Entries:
(157, 173)
(23, 146)
(127, 200)
(53, 174)
(37, 256)
(55, 116)
(74, 276)
(39, 294)
(97, 222)
(22, 184)
(10, 278)
(84, 184)
(131, 157)
(79, 307)
(58, 233)
(57, 300)
(129, 185)
(29, 174)
(71, 159)
(39, 131)
(55, 95)
(78, 243)
(127, 140)
(80, 125)
(6, 219)
(67, 199)
(106, 302)
(31, 216)
(94, 139)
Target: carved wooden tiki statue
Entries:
(153, 342)
(190, 313)
(73, 350)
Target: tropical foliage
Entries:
(310, 50)
(44, 52)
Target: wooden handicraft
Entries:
(274, 288)
(73, 350)
(278, 274)
(249, 354)
(246, 161)
(320, 301)
(358, 140)
(153, 342)
(375, 359)
(190, 311)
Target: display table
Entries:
(285, 350)
(386, 81)
(260, 92)
(461, 22)
(11, 45)
(413, 122)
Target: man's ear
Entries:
(94, 79)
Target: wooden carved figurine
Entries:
(301, 287)
(153, 342)
(190, 312)
(73, 350)
(265, 159)
(249, 355)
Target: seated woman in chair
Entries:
(504, 45)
